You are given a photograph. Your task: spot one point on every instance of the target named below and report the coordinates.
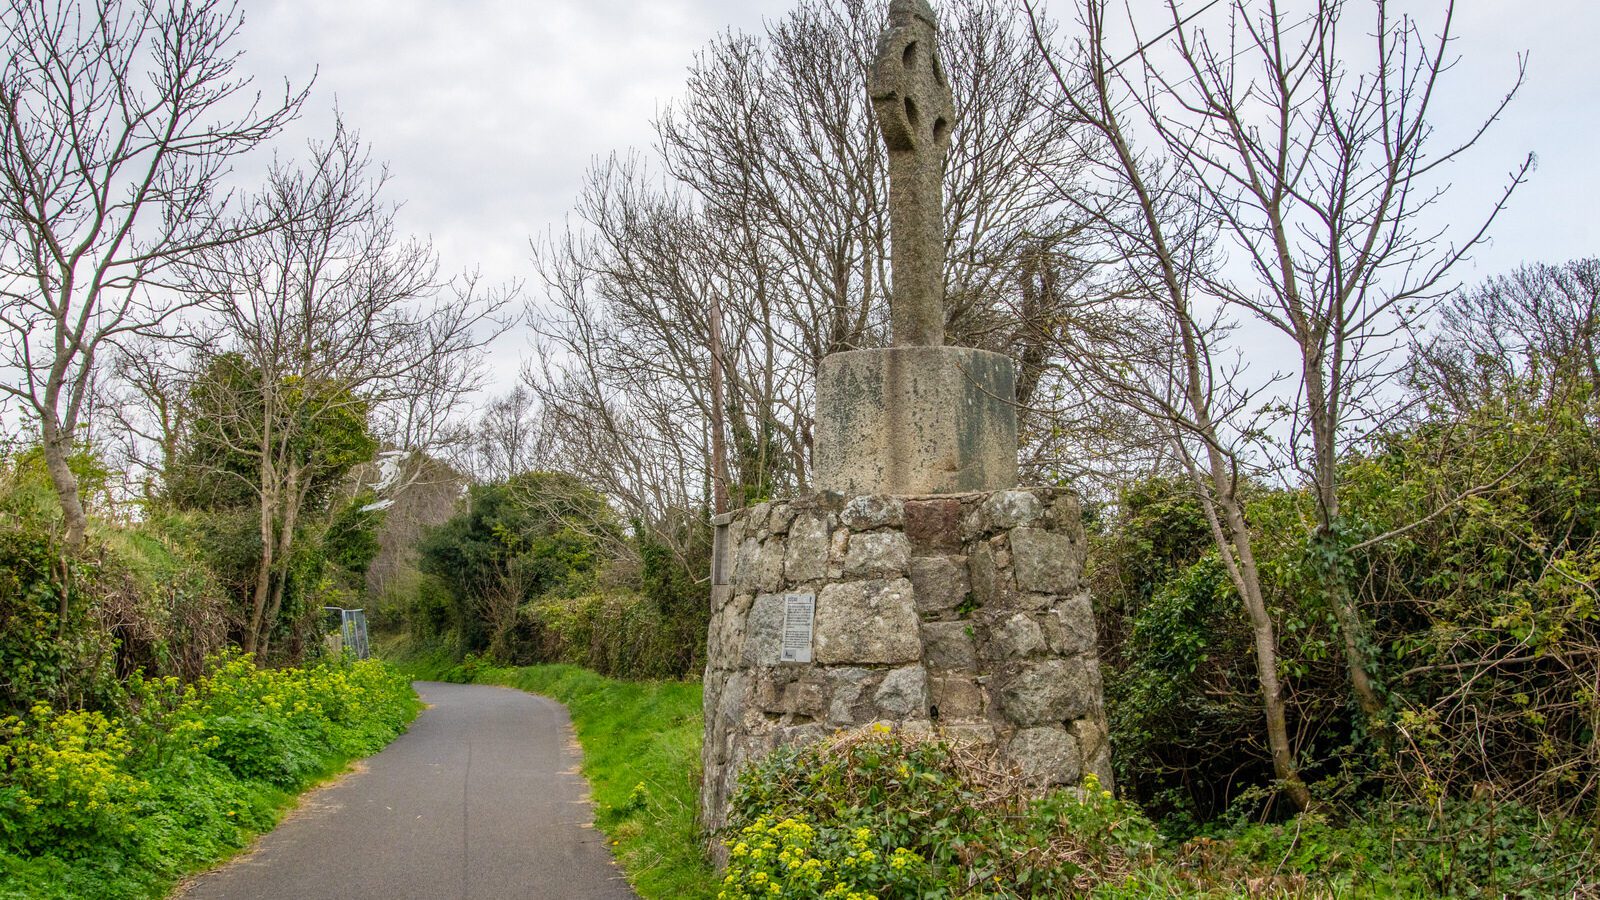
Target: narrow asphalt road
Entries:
(480, 799)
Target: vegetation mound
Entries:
(879, 813)
(123, 804)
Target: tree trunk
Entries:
(273, 606)
(258, 606)
(1335, 582)
(1231, 534)
(1265, 639)
(57, 447)
(1352, 628)
(294, 497)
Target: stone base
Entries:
(916, 420)
(963, 614)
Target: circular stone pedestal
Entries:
(965, 616)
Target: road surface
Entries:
(480, 799)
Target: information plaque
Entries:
(719, 556)
(799, 613)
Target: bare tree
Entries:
(1319, 161)
(117, 123)
(1305, 169)
(768, 206)
(332, 316)
(624, 362)
(1145, 346)
(425, 492)
(148, 410)
(1539, 321)
(504, 439)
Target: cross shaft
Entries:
(915, 112)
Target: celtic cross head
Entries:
(909, 92)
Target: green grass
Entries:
(633, 733)
(190, 840)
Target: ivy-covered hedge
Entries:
(122, 805)
(878, 814)
(621, 634)
(1471, 542)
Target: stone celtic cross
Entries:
(915, 112)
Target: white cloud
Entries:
(489, 111)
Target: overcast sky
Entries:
(489, 111)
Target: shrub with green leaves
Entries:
(123, 805)
(882, 814)
(52, 649)
(65, 781)
(1468, 848)
(791, 858)
(619, 633)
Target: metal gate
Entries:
(350, 626)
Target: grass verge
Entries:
(641, 754)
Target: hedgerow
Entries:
(882, 814)
(122, 805)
